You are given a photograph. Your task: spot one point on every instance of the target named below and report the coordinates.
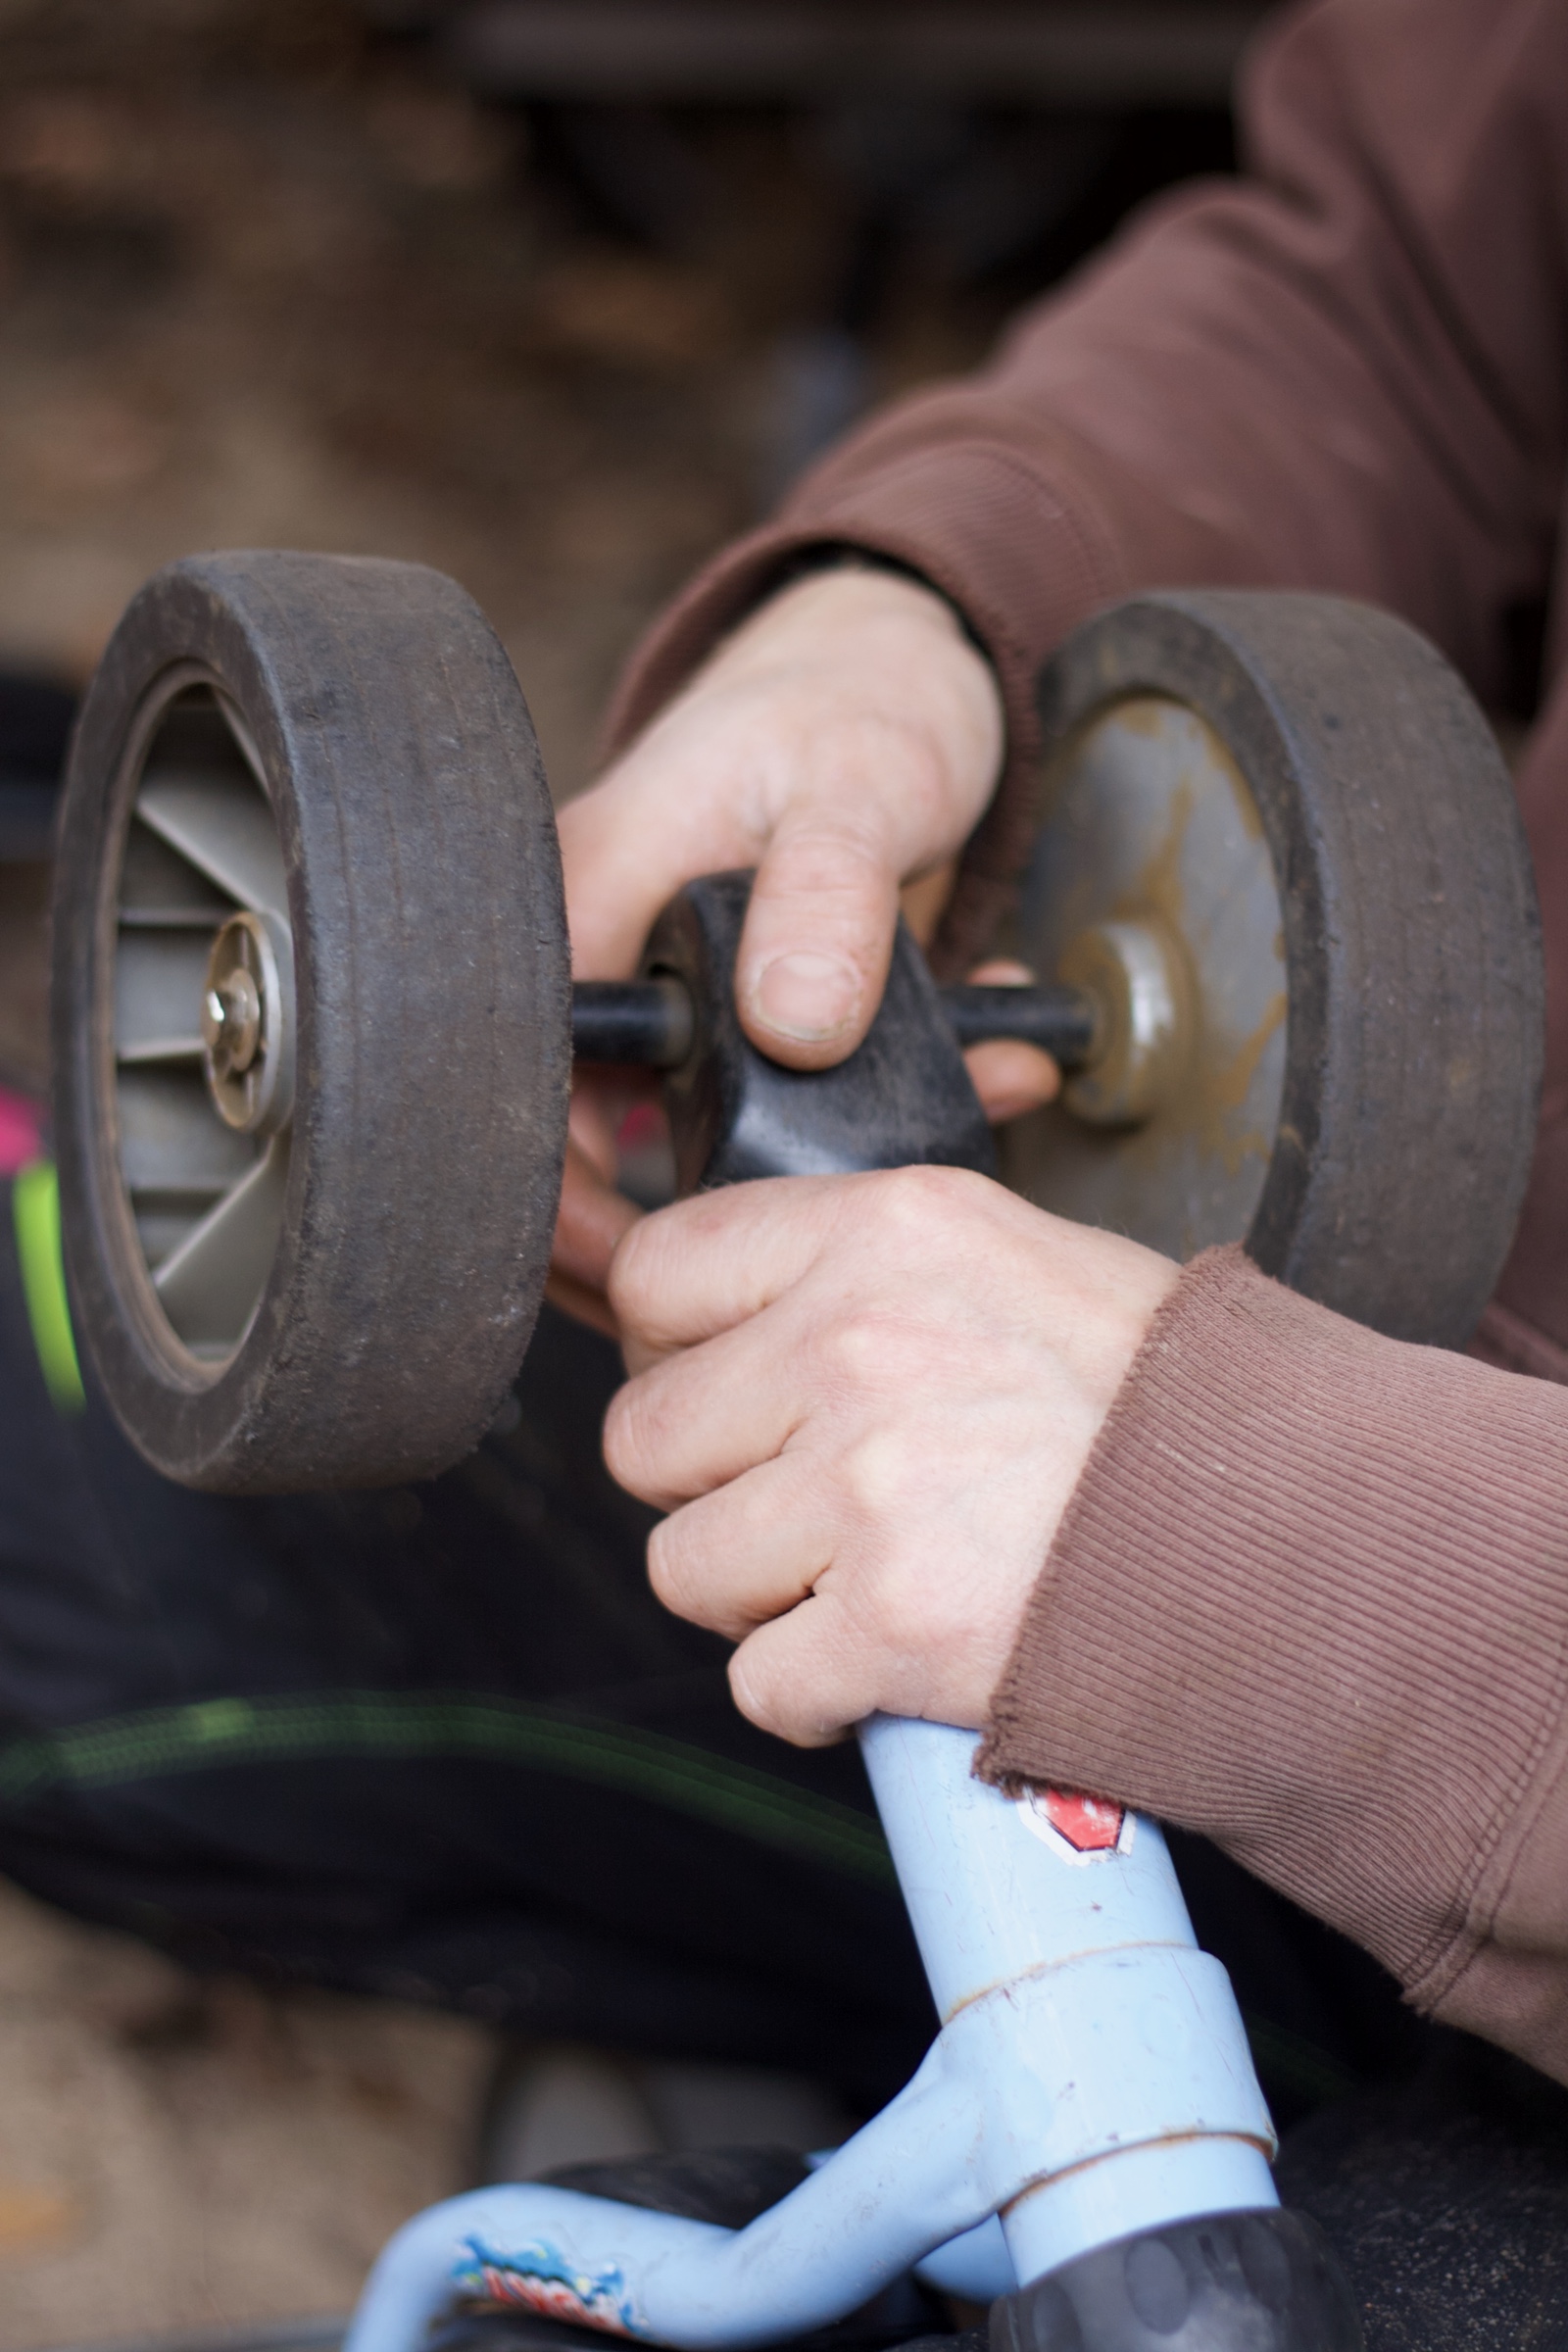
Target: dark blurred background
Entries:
(552, 294)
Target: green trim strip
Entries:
(392, 1724)
(36, 1212)
(216, 1732)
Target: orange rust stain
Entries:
(1158, 887)
(1247, 807)
(1218, 1082)
(36, 2219)
(1143, 715)
(1228, 1083)
(1216, 1090)
(1223, 1087)
(1150, 715)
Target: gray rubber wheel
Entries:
(1293, 802)
(310, 1022)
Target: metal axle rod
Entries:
(651, 1023)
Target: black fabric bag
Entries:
(442, 1742)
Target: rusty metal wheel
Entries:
(1277, 832)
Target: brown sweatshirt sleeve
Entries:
(1345, 371)
(1310, 1597)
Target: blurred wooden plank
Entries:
(1096, 52)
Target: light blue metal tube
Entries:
(859, 2222)
(1148, 2040)
(993, 1890)
(1090, 2079)
(976, 2266)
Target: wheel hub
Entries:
(232, 1024)
(244, 1025)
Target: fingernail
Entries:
(807, 996)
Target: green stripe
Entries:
(372, 1723)
(218, 1731)
(35, 1210)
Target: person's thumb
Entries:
(813, 956)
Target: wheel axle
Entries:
(649, 1024)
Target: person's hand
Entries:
(865, 1402)
(844, 740)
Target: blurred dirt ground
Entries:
(265, 280)
(178, 2154)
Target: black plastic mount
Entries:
(903, 1099)
(1228, 2282)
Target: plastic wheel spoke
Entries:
(140, 1051)
(169, 1141)
(170, 918)
(207, 1200)
(158, 994)
(222, 826)
(209, 1286)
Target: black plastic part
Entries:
(902, 1099)
(1262, 2282)
(643, 1023)
(1059, 1020)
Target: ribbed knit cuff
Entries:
(1020, 554)
(1310, 1599)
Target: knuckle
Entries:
(818, 848)
(672, 1565)
(632, 1439)
(921, 1195)
(631, 1271)
(903, 1207)
(874, 1475)
(852, 1348)
(752, 1689)
(650, 1266)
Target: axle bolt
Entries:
(232, 1023)
(247, 1024)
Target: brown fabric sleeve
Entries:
(1313, 1594)
(1344, 372)
(1310, 1599)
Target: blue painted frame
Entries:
(1091, 2079)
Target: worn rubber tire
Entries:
(424, 898)
(1412, 947)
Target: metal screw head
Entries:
(232, 1022)
(247, 1024)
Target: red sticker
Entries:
(1090, 1825)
